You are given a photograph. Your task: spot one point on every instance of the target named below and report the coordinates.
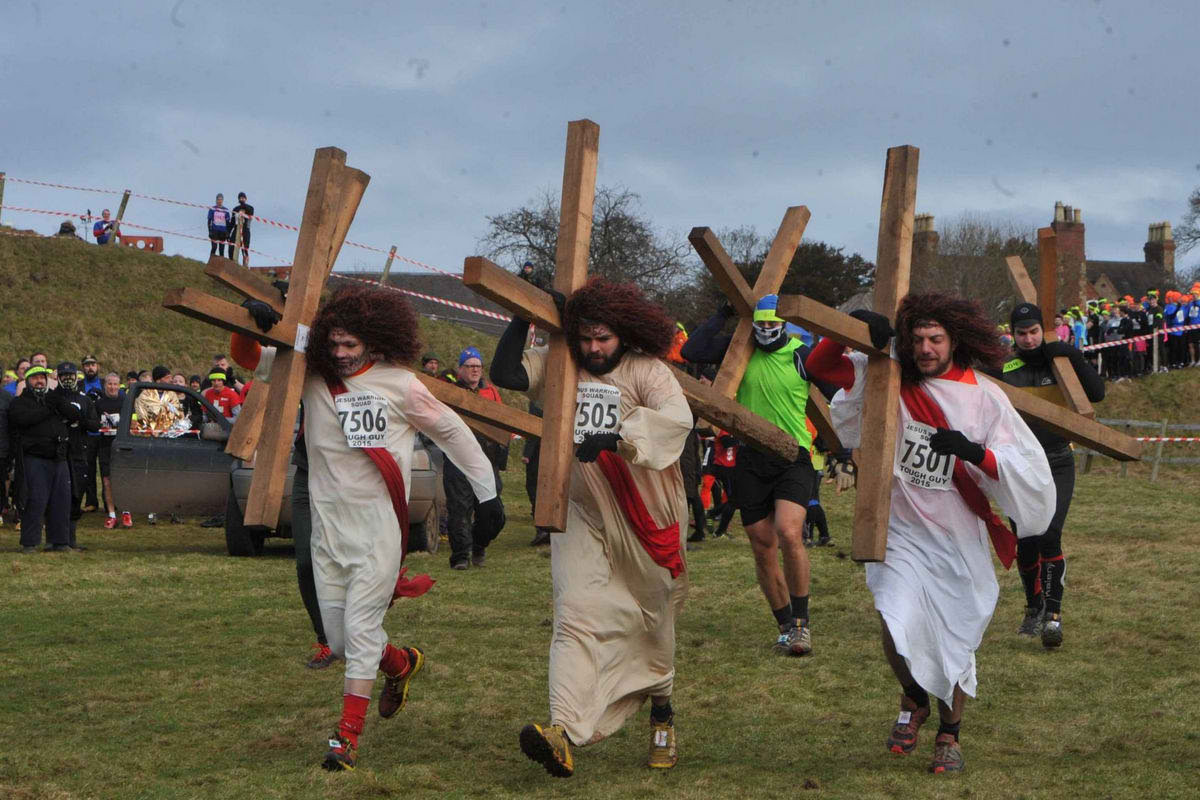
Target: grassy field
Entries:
(155, 666)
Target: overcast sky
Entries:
(715, 113)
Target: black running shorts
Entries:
(104, 451)
(759, 479)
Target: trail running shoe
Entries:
(110, 523)
(322, 658)
(662, 745)
(395, 689)
(126, 519)
(903, 738)
(1052, 634)
(947, 755)
(550, 747)
(795, 641)
(1032, 624)
(342, 755)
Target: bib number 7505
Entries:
(597, 409)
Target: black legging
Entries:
(1048, 546)
(302, 539)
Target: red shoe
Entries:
(947, 755)
(322, 658)
(903, 739)
(110, 523)
(126, 519)
(342, 754)
(395, 688)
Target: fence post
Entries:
(1158, 452)
(1, 192)
(120, 214)
(387, 268)
(1125, 464)
(1154, 347)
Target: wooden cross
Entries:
(535, 305)
(743, 299)
(880, 414)
(1067, 382)
(334, 194)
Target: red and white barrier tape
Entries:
(1162, 332)
(481, 311)
(61, 186)
(1168, 438)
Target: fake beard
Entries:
(604, 366)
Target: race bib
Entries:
(219, 219)
(363, 417)
(597, 409)
(916, 464)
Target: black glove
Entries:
(1056, 349)
(489, 520)
(881, 329)
(948, 442)
(560, 299)
(264, 316)
(282, 286)
(727, 310)
(589, 449)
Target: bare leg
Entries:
(789, 530)
(951, 715)
(108, 496)
(764, 543)
(359, 686)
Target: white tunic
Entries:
(936, 588)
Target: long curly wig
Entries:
(971, 332)
(639, 323)
(382, 318)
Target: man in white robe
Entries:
(959, 442)
(618, 570)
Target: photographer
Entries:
(41, 419)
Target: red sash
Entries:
(393, 479)
(924, 409)
(662, 544)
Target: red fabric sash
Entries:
(924, 409)
(393, 479)
(662, 544)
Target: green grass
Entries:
(155, 666)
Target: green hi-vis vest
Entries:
(1016, 363)
(773, 389)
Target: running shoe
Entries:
(662, 745)
(342, 754)
(1052, 634)
(947, 755)
(395, 688)
(126, 519)
(110, 523)
(1031, 626)
(550, 747)
(903, 738)
(322, 658)
(796, 641)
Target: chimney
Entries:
(925, 241)
(1160, 250)
(1069, 236)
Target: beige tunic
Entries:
(614, 608)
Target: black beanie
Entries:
(1024, 314)
(159, 373)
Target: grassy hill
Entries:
(70, 298)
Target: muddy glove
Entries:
(881, 330)
(560, 300)
(282, 286)
(593, 443)
(948, 442)
(264, 316)
(845, 475)
(489, 520)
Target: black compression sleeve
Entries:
(1093, 384)
(506, 371)
(707, 344)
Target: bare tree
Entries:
(624, 245)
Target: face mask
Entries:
(39, 392)
(68, 380)
(767, 336)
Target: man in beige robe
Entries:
(618, 570)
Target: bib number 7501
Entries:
(917, 464)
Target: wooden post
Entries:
(1162, 432)
(2, 192)
(1064, 374)
(570, 273)
(387, 268)
(1125, 464)
(881, 399)
(120, 216)
(1153, 341)
(1048, 274)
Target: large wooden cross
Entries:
(1067, 384)
(743, 299)
(880, 416)
(333, 196)
(561, 376)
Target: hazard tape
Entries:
(1161, 332)
(1168, 438)
(61, 186)
(473, 309)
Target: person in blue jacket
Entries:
(220, 222)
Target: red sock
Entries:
(354, 713)
(394, 661)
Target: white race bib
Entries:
(597, 409)
(363, 417)
(917, 464)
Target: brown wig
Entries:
(973, 335)
(381, 318)
(637, 322)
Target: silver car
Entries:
(186, 471)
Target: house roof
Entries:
(1127, 277)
